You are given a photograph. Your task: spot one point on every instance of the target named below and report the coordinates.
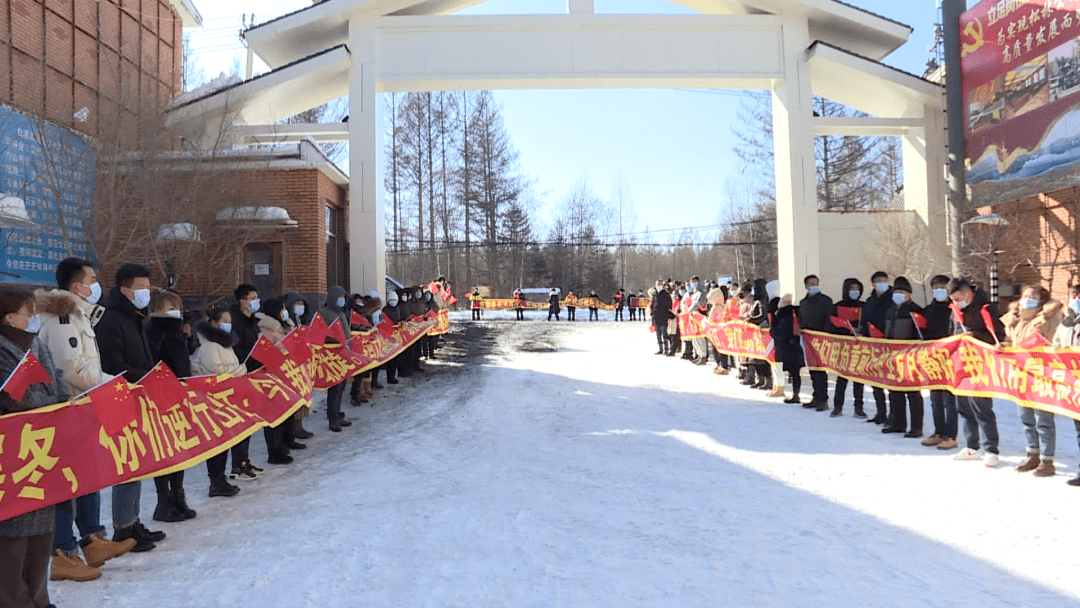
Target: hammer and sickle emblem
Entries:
(973, 31)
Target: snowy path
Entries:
(568, 466)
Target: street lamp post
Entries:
(991, 219)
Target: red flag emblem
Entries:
(358, 319)
(336, 331)
(1034, 340)
(875, 332)
(266, 353)
(920, 320)
(318, 330)
(163, 387)
(28, 371)
(386, 327)
(116, 407)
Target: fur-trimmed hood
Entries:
(216, 335)
(63, 303)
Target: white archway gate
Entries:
(793, 48)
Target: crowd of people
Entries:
(620, 301)
(887, 312)
(82, 344)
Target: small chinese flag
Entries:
(386, 327)
(842, 322)
(358, 319)
(851, 313)
(116, 407)
(318, 330)
(266, 353)
(336, 332)
(28, 371)
(957, 314)
(989, 321)
(452, 300)
(1034, 340)
(163, 387)
(875, 332)
(920, 320)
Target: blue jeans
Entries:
(86, 515)
(978, 413)
(1039, 425)
(125, 504)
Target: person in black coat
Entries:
(977, 412)
(759, 315)
(553, 304)
(789, 352)
(814, 312)
(391, 311)
(121, 339)
(901, 324)
(873, 314)
(246, 328)
(849, 307)
(661, 312)
(170, 345)
(942, 403)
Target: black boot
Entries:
(141, 544)
(176, 488)
(220, 486)
(279, 457)
(143, 533)
(166, 510)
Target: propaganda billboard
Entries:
(1020, 65)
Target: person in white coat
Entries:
(68, 315)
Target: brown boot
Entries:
(98, 549)
(1030, 463)
(1045, 468)
(67, 568)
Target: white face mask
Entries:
(255, 305)
(881, 287)
(405, 297)
(1029, 303)
(284, 315)
(298, 310)
(854, 294)
(34, 325)
(142, 298)
(899, 298)
(226, 327)
(341, 302)
(392, 302)
(1074, 305)
(941, 294)
(814, 290)
(174, 314)
(95, 293)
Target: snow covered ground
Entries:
(562, 464)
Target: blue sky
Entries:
(673, 148)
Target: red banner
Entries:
(691, 326)
(53, 454)
(442, 323)
(741, 339)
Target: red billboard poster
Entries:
(1021, 80)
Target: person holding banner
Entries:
(392, 313)
(849, 310)
(976, 316)
(553, 304)
(168, 344)
(477, 303)
(814, 312)
(872, 325)
(619, 300)
(274, 324)
(25, 541)
(245, 326)
(519, 312)
(1032, 323)
(594, 300)
(1068, 336)
(789, 352)
(902, 323)
(215, 356)
(68, 315)
(571, 306)
(300, 313)
(942, 403)
(121, 339)
(335, 311)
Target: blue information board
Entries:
(39, 162)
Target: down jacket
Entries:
(67, 330)
(215, 354)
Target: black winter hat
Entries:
(901, 284)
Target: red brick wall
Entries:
(57, 56)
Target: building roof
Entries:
(301, 33)
(869, 86)
(188, 13)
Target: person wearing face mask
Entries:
(215, 356)
(390, 311)
(973, 306)
(900, 325)
(121, 340)
(942, 403)
(1068, 336)
(26, 540)
(274, 324)
(68, 315)
(300, 313)
(814, 312)
(553, 304)
(168, 344)
(245, 326)
(874, 314)
(850, 308)
(789, 352)
(1035, 313)
(335, 310)
(594, 312)
(477, 303)
(571, 307)
(619, 300)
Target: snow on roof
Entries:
(255, 214)
(182, 231)
(13, 212)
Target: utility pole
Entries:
(954, 113)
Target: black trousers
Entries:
(661, 336)
(571, 313)
(841, 388)
(240, 452)
(24, 577)
(619, 314)
(215, 466)
(899, 401)
(520, 314)
(879, 401)
(476, 314)
(820, 380)
(333, 401)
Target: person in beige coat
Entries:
(274, 324)
(1035, 313)
(68, 315)
(215, 356)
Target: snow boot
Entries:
(220, 486)
(166, 510)
(837, 411)
(180, 500)
(859, 413)
(65, 567)
(97, 549)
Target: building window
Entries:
(334, 267)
